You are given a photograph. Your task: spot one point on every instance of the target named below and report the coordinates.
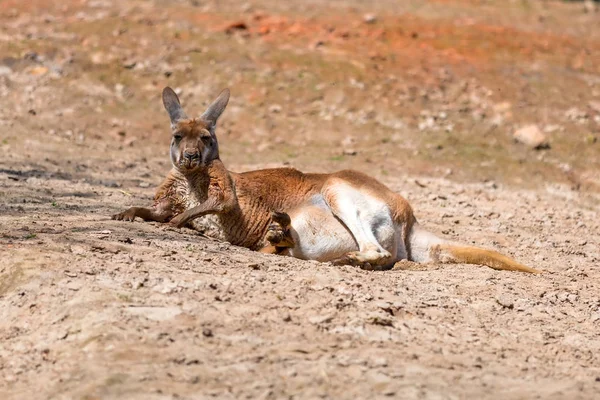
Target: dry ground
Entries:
(424, 95)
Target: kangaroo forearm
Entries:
(208, 207)
(151, 214)
(147, 214)
(212, 205)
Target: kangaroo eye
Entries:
(205, 139)
(177, 137)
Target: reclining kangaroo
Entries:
(345, 217)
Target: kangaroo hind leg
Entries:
(370, 222)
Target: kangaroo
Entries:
(344, 217)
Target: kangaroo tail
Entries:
(426, 247)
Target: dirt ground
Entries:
(423, 95)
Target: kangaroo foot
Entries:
(369, 259)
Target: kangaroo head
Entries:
(194, 142)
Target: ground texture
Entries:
(423, 95)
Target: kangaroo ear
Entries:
(214, 111)
(172, 105)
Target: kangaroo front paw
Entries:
(278, 233)
(178, 221)
(275, 234)
(127, 215)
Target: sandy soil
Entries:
(422, 95)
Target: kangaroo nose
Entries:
(191, 155)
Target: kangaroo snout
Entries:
(191, 155)
(190, 159)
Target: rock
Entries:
(320, 319)
(521, 305)
(275, 109)
(236, 27)
(370, 18)
(129, 64)
(505, 301)
(317, 43)
(379, 362)
(576, 115)
(4, 70)
(348, 141)
(589, 6)
(532, 137)
(350, 152)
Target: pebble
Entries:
(532, 137)
(275, 109)
(4, 70)
(370, 18)
(505, 301)
(320, 319)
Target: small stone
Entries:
(532, 137)
(275, 109)
(129, 64)
(370, 18)
(350, 152)
(576, 115)
(521, 304)
(348, 141)
(320, 319)
(207, 332)
(379, 362)
(589, 6)
(505, 301)
(318, 43)
(74, 286)
(144, 184)
(4, 70)
(236, 27)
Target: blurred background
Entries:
(473, 90)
